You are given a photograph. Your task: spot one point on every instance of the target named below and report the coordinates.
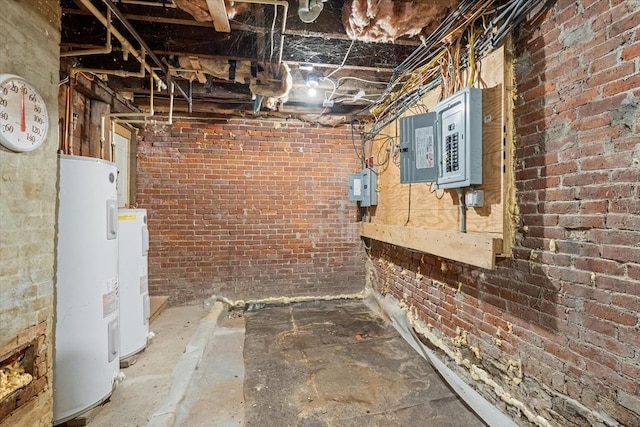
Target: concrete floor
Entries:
(149, 380)
(328, 363)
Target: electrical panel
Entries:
(363, 187)
(459, 136)
(418, 148)
(369, 187)
(474, 198)
(355, 187)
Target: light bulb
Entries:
(312, 91)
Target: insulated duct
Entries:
(309, 10)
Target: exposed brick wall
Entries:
(30, 34)
(557, 326)
(249, 209)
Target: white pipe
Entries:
(125, 115)
(171, 103)
(97, 51)
(147, 3)
(120, 118)
(129, 121)
(121, 73)
(285, 5)
(151, 99)
(123, 41)
(138, 118)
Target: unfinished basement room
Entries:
(320, 213)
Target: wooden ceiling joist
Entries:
(219, 14)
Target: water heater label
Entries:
(357, 187)
(425, 149)
(126, 217)
(109, 296)
(144, 279)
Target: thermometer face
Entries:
(24, 120)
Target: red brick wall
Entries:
(557, 327)
(249, 209)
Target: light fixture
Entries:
(312, 85)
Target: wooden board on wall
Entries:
(418, 206)
(472, 248)
(510, 210)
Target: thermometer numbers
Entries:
(23, 115)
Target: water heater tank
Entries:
(133, 240)
(87, 332)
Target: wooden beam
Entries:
(173, 21)
(342, 36)
(386, 71)
(470, 248)
(219, 14)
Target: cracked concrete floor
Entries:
(324, 363)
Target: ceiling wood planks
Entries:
(219, 14)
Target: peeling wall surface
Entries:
(29, 47)
(552, 335)
(249, 209)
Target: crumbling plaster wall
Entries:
(29, 47)
(552, 334)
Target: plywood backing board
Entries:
(420, 207)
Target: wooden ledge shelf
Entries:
(476, 249)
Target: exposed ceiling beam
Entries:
(219, 14)
(386, 71)
(239, 26)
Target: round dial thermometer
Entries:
(24, 120)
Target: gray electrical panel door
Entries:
(369, 187)
(355, 187)
(418, 149)
(459, 132)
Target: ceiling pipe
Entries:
(170, 4)
(284, 4)
(98, 51)
(120, 73)
(124, 118)
(140, 40)
(119, 118)
(123, 41)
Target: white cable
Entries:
(343, 60)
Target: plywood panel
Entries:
(422, 209)
(439, 208)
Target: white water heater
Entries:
(133, 237)
(87, 332)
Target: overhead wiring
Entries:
(449, 55)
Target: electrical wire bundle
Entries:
(469, 33)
